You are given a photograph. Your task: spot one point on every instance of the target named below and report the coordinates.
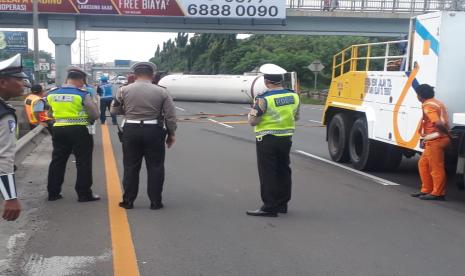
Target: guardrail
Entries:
(395, 6)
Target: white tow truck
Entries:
(372, 113)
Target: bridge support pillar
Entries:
(63, 33)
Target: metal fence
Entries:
(396, 6)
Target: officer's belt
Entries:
(148, 122)
(277, 132)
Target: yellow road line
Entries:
(124, 254)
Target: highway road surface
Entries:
(339, 222)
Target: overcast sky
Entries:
(108, 46)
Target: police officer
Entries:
(73, 111)
(11, 85)
(105, 91)
(273, 115)
(146, 108)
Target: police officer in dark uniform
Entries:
(146, 108)
(274, 115)
(73, 110)
(11, 85)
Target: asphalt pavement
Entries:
(339, 222)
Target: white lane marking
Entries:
(378, 180)
(178, 108)
(314, 121)
(38, 265)
(216, 122)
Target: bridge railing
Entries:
(379, 56)
(396, 6)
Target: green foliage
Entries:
(224, 54)
(29, 55)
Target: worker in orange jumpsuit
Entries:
(435, 138)
(36, 108)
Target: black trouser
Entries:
(146, 141)
(105, 103)
(67, 140)
(274, 171)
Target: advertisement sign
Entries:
(188, 8)
(13, 41)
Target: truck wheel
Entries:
(365, 154)
(338, 138)
(392, 157)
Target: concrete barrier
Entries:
(28, 143)
(23, 123)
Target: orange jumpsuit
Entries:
(431, 164)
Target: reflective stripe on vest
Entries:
(29, 103)
(279, 117)
(68, 106)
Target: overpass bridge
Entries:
(304, 17)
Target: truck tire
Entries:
(338, 138)
(392, 157)
(365, 154)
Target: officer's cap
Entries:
(12, 67)
(74, 69)
(145, 64)
(273, 72)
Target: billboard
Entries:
(13, 41)
(188, 8)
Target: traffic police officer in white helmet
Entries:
(11, 85)
(273, 115)
(73, 110)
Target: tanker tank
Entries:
(214, 88)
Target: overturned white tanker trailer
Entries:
(218, 88)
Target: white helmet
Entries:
(272, 69)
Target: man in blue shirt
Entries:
(105, 91)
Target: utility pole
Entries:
(35, 22)
(80, 48)
(85, 49)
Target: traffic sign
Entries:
(316, 66)
(44, 66)
(28, 63)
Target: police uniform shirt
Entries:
(144, 101)
(7, 155)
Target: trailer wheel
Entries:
(365, 154)
(392, 157)
(338, 138)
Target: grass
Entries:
(309, 100)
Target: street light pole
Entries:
(35, 22)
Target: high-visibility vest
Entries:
(279, 117)
(67, 104)
(29, 104)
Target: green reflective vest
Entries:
(279, 117)
(67, 104)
